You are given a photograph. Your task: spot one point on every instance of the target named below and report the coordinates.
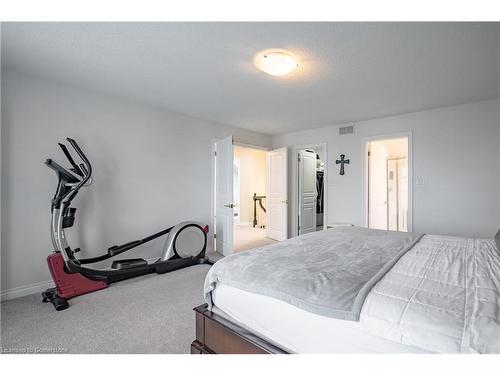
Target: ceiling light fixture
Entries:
(275, 63)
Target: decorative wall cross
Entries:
(342, 161)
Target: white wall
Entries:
(151, 170)
(455, 149)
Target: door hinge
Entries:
(215, 153)
(215, 235)
(298, 157)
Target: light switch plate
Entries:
(420, 181)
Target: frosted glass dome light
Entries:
(275, 63)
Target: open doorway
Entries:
(311, 213)
(249, 197)
(249, 200)
(387, 183)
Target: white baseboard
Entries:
(26, 290)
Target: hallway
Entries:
(246, 238)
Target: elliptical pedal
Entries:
(123, 264)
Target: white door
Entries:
(224, 196)
(307, 192)
(277, 195)
(392, 194)
(403, 195)
(236, 191)
(377, 186)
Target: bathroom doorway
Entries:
(387, 187)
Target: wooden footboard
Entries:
(217, 335)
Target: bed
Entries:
(354, 290)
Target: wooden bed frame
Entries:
(217, 335)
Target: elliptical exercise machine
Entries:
(185, 244)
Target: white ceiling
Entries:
(348, 71)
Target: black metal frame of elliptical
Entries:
(109, 276)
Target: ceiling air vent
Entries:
(346, 130)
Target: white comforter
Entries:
(443, 296)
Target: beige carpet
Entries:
(246, 238)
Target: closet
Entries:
(320, 175)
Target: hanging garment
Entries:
(319, 192)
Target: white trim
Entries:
(295, 183)
(364, 171)
(212, 222)
(247, 145)
(26, 290)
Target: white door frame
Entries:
(295, 186)
(364, 169)
(248, 145)
(237, 202)
(212, 223)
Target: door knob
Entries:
(230, 205)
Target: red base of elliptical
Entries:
(70, 285)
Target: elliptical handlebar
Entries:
(68, 175)
(72, 179)
(76, 168)
(85, 169)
